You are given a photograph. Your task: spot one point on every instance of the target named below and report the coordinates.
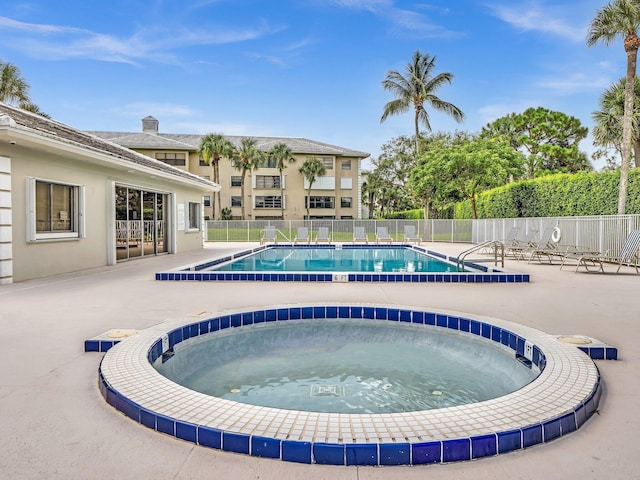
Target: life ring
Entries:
(556, 235)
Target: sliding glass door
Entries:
(140, 223)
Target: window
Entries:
(271, 162)
(172, 158)
(56, 210)
(236, 181)
(345, 202)
(267, 181)
(346, 164)
(328, 162)
(268, 201)
(203, 162)
(194, 216)
(236, 201)
(206, 200)
(321, 202)
(346, 183)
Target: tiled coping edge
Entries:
(392, 452)
(480, 273)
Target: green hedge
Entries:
(416, 214)
(561, 194)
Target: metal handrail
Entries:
(496, 246)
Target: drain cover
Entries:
(327, 390)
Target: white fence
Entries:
(599, 233)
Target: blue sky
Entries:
(301, 68)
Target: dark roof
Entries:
(191, 142)
(63, 133)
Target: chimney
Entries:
(150, 125)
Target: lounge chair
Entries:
(322, 235)
(302, 235)
(517, 247)
(270, 235)
(382, 235)
(359, 235)
(546, 247)
(410, 234)
(512, 237)
(629, 255)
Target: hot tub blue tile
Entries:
(551, 429)
(430, 319)
(147, 418)
(225, 322)
(393, 314)
(295, 313)
(536, 356)
(464, 325)
(283, 314)
(395, 454)
(265, 447)
(247, 318)
(235, 442)
(611, 353)
(359, 277)
(175, 337)
(186, 431)
(186, 333)
(441, 320)
(214, 324)
(210, 437)
(597, 353)
(504, 338)
(520, 345)
(307, 312)
(405, 315)
(513, 341)
(356, 312)
(531, 435)
(319, 312)
(332, 312)
(509, 441)
(194, 330)
(271, 315)
(484, 446)
(496, 334)
(344, 312)
(204, 327)
(165, 425)
(362, 454)
(91, 345)
(417, 317)
(328, 454)
(568, 423)
(105, 345)
(299, 452)
(453, 323)
(381, 313)
(456, 450)
(581, 415)
(369, 312)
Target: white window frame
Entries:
(78, 212)
(193, 216)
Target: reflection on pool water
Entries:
(346, 367)
(372, 259)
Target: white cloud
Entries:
(147, 44)
(534, 16)
(574, 83)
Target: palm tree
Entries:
(621, 18)
(282, 156)
(212, 148)
(33, 108)
(608, 129)
(14, 89)
(246, 159)
(311, 169)
(417, 87)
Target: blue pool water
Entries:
(371, 259)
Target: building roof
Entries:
(23, 120)
(191, 142)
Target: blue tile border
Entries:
(372, 454)
(476, 274)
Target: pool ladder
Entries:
(495, 246)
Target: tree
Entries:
(417, 87)
(281, 154)
(549, 138)
(246, 159)
(311, 169)
(621, 18)
(14, 89)
(465, 170)
(212, 148)
(608, 129)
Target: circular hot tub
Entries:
(556, 391)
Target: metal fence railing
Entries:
(599, 233)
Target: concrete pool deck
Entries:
(55, 424)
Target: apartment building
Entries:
(336, 195)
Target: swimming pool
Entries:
(560, 400)
(340, 263)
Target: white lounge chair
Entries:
(270, 235)
(323, 235)
(359, 235)
(518, 247)
(382, 235)
(410, 234)
(629, 255)
(302, 235)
